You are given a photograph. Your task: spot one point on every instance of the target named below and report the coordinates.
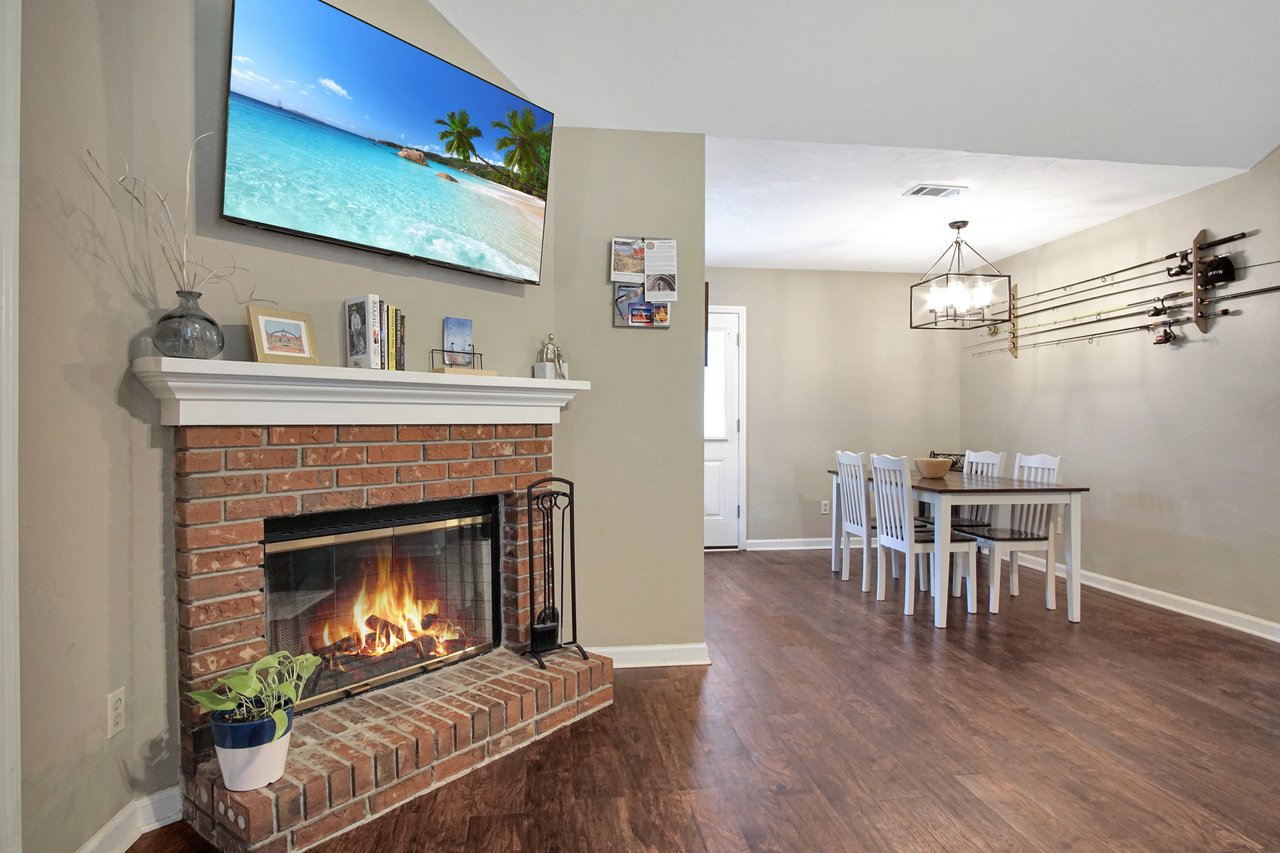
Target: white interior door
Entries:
(722, 431)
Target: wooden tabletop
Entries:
(956, 483)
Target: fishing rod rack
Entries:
(1198, 273)
(553, 575)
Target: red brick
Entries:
(288, 795)
(605, 662)
(527, 692)
(384, 756)
(514, 431)
(197, 461)
(262, 507)
(296, 481)
(460, 763)
(221, 610)
(366, 476)
(524, 481)
(556, 718)
(458, 722)
(330, 824)
(221, 634)
(367, 433)
(419, 473)
(353, 498)
(337, 772)
(240, 533)
(470, 432)
(276, 457)
(540, 689)
(544, 463)
(346, 455)
(490, 485)
(479, 716)
(423, 433)
(395, 495)
(203, 587)
(217, 485)
(194, 437)
(302, 435)
(197, 512)
(361, 764)
(555, 684)
(601, 697)
(544, 430)
(315, 790)
(481, 468)
(447, 489)
(382, 453)
(217, 660)
(248, 815)
(533, 447)
(512, 710)
(511, 738)
(486, 449)
(405, 745)
(496, 708)
(423, 737)
(403, 790)
(446, 451)
(522, 465)
(218, 561)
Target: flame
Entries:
(386, 617)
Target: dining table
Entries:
(955, 489)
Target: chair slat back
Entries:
(983, 463)
(852, 480)
(891, 479)
(1042, 469)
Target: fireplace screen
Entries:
(382, 594)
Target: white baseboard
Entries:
(670, 654)
(788, 544)
(1234, 619)
(142, 815)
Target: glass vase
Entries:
(187, 331)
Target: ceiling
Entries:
(1066, 108)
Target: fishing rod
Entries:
(1159, 310)
(1145, 327)
(1085, 299)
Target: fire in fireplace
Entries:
(381, 594)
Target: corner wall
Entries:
(832, 364)
(1177, 443)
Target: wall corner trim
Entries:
(1234, 619)
(662, 654)
(141, 815)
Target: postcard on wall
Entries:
(660, 270)
(640, 313)
(661, 315)
(623, 296)
(457, 341)
(627, 260)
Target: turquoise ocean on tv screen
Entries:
(290, 171)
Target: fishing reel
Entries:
(1159, 309)
(1183, 267)
(1167, 335)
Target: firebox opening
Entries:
(385, 593)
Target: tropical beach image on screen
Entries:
(338, 130)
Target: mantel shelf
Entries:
(194, 392)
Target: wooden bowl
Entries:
(933, 468)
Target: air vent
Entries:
(934, 190)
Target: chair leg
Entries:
(893, 563)
(921, 562)
(994, 604)
(1050, 576)
(880, 578)
(866, 564)
(971, 582)
(955, 580)
(1013, 573)
(909, 585)
(844, 554)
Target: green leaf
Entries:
(288, 691)
(244, 684)
(282, 723)
(266, 662)
(211, 701)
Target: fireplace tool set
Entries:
(550, 502)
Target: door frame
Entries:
(10, 660)
(741, 311)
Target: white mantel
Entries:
(196, 392)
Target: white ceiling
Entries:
(897, 88)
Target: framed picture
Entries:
(457, 342)
(282, 337)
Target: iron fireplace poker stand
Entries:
(553, 508)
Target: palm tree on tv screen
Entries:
(457, 136)
(527, 147)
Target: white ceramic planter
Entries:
(251, 767)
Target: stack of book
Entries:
(375, 333)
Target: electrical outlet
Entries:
(115, 713)
(826, 508)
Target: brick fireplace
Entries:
(361, 756)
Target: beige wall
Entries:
(832, 364)
(1178, 444)
(141, 79)
(634, 443)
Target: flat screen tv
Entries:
(340, 131)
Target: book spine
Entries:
(392, 314)
(360, 317)
(382, 350)
(400, 340)
(374, 310)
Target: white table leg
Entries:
(836, 515)
(1072, 525)
(941, 538)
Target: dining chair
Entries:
(1030, 529)
(896, 530)
(977, 463)
(856, 521)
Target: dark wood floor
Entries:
(830, 722)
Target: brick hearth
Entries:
(352, 760)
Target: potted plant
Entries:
(253, 717)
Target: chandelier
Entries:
(960, 298)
